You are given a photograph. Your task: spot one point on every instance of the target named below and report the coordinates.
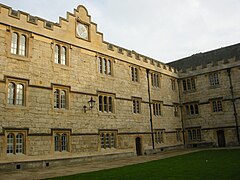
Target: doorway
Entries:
(221, 138)
(138, 146)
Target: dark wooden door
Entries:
(221, 138)
(138, 146)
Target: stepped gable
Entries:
(202, 59)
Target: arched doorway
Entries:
(221, 138)
(138, 146)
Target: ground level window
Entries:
(159, 136)
(61, 141)
(194, 134)
(16, 142)
(108, 139)
(178, 136)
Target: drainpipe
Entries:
(150, 107)
(181, 112)
(233, 102)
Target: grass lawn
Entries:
(208, 164)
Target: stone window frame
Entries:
(87, 26)
(135, 75)
(178, 135)
(103, 103)
(189, 84)
(28, 44)
(16, 146)
(155, 79)
(216, 105)
(192, 109)
(17, 81)
(157, 108)
(67, 54)
(194, 134)
(176, 109)
(136, 105)
(173, 84)
(108, 139)
(159, 136)
(61, 146)
(105, 65)
(60, 89)
(214, 79)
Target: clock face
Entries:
(82, 31)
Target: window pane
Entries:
(19, 143)
(196, 109)
(110, 104)
(64, 142)
(154, 109)
(191, 109)
(132, 71)
(107, 140)
(22, 45)
(189, 135)
(187, 110)
(57, 54)
(10, 141)
(19, 95)
(102, 140)
(214, 103)
(219, 105)
(11, 88)
(184, 85)
(104, 66)
(193, 83)
(136, 74)
(57, 142)
(105, 104)
(14, 43)
(188, 84)
(100, 104)
(100, 64)
(134, 106)
(112, 141)
(109, 67)
(63, 55)
(56, 98)
(137, 106)
(63, 99)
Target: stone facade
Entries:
(52, 70)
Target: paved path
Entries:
(87, 167)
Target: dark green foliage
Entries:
(208, 164)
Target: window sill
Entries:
(18, 57)
(8, 106)
(214, 86)
(190, 91)
(61, 66)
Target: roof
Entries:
(213, 56)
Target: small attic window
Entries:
(48, 25)
(152, 61)
(32, 19)
(120, 50)
(158, 64)
(129, 53)
(110, 46)
(145, 60)
(137, 56)
(14, 13)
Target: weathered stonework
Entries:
(39, 119)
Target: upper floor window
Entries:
(194, 134)
(136, 106)
(159, 136)
(157, 108)
(60, 54)
(15, 142)
(173, 84)
(188, 84)
(18, 44)
(192, 109)
(104, 66)
(135, 74)
(61, 141)
(108, 139)
(16, 93)
(105, 103)
(60, 98)
(217, 106)
(213, 79)
(155, 80)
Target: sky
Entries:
(165, 30)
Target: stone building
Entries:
(65, 93)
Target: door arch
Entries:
(138, 146)
(221, 138)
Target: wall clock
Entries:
(82, 31)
